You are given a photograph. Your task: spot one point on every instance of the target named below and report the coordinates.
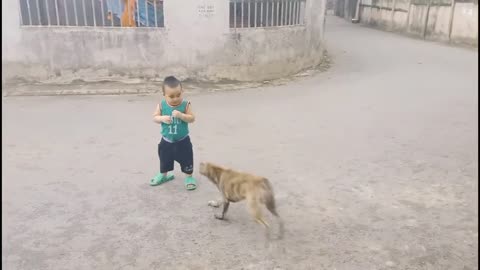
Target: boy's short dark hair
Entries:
(171, 82)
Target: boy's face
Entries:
(173, 96)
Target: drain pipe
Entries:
(357, 13)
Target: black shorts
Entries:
(181, 152)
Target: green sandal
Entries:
(160, 179)
(190, 183)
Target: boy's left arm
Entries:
(188, 116)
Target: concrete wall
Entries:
(190, 46)
(443, 20)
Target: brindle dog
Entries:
(236, 186)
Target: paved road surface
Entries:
(374, 165)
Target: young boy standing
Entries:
(174, 114)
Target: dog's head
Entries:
(204, 168)
(211, 171)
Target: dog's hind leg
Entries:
(254, 208)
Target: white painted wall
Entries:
(191, 45)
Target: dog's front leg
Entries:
(226, 203)
(215, 203)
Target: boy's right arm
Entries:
(157, 111)
(159, 118)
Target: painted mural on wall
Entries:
(117, 13)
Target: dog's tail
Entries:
(269, 198)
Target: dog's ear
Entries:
(216, 171)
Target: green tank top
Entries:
(178, 129)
